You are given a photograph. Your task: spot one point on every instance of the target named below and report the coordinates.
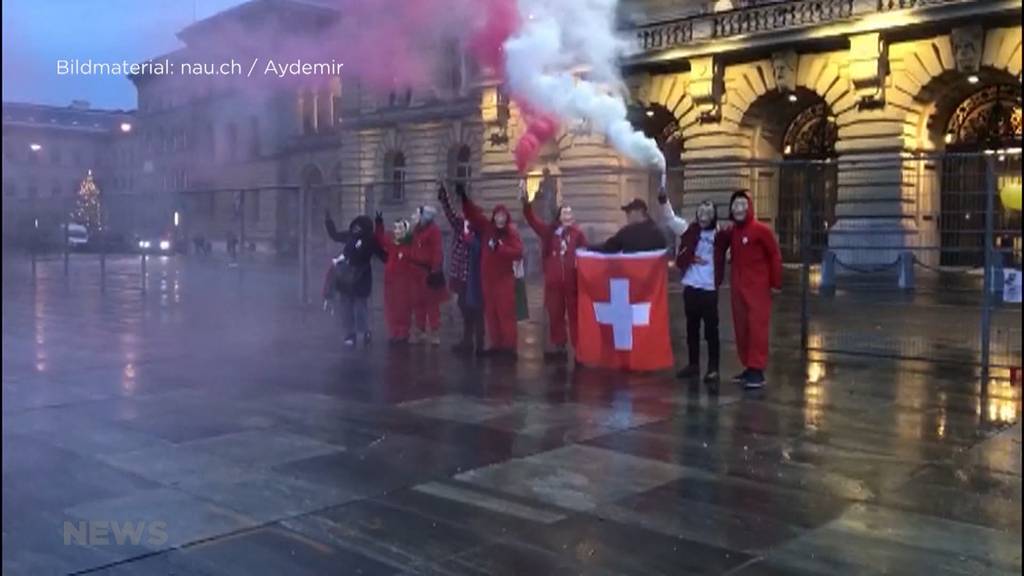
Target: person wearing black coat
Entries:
(354, 274)
(640, 233)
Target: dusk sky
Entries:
(36, 33)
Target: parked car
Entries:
(77, 236)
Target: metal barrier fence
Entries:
(895, 256)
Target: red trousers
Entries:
(427, 314)
(752, 322)
(500, 314)
(397, 307)
(560, 300)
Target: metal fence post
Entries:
(67, 251)
(303, 245)
(143, 273)
(986, 292)
(103, 263)
(805, 260)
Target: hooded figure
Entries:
(701, 264)
(464, 273)
(398, 277)
(428, 254)
(558, 244)
(756, 272)
(501, 248)
(354, 276)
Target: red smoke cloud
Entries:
(539, 129)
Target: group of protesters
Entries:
(485, 263)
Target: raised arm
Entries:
(446, 204)
(540, 227)
(473, 213)
(384, 242)
(332, 230)
(669, 219)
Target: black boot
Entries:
(691, 371)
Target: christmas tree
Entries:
(87, 207)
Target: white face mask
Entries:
(740, 207)
(500, 219)
(565, 218)
(705, 215)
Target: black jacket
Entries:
(360, 249)
(639, 237)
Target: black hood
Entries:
(361, 226)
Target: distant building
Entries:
(47, 152)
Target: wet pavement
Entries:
(211, 426)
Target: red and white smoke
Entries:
(538, 47)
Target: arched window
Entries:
(460, 165)
(394, 175)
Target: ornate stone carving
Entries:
(784, 66)
(869, 65)
(706, 87)
(968, 45)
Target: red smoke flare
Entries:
(539, 129)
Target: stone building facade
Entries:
(855, 96)
(47, 153)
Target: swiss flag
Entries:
(623, 311)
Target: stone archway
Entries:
(793, 167)
(985, 123)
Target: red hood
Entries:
(751, 213)
(501, 209)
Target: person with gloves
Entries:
(398, 273)
(354, 275)
(501, 247)
(559, 242)
(430, 292)
(701, 263)
(756, 274)
(464, 272)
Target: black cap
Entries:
(635, 204)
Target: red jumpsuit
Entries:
(400, 274)
(756, 269)
(427, 255)
(558, 249)
(501, 247)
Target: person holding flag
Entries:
(638, 235)
(502, 247)
(756, 275)
(559, 242)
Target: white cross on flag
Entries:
(623, 311)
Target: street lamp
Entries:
(973, 79)
(35, 147)
(792, 97)
(126, 127)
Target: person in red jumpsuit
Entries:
(756, 274)
(558, 244)
(428, 254)
(399, 272)
(502, 247)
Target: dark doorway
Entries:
(808, 180)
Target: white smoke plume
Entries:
(559, 38)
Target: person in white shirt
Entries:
(701, 263)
